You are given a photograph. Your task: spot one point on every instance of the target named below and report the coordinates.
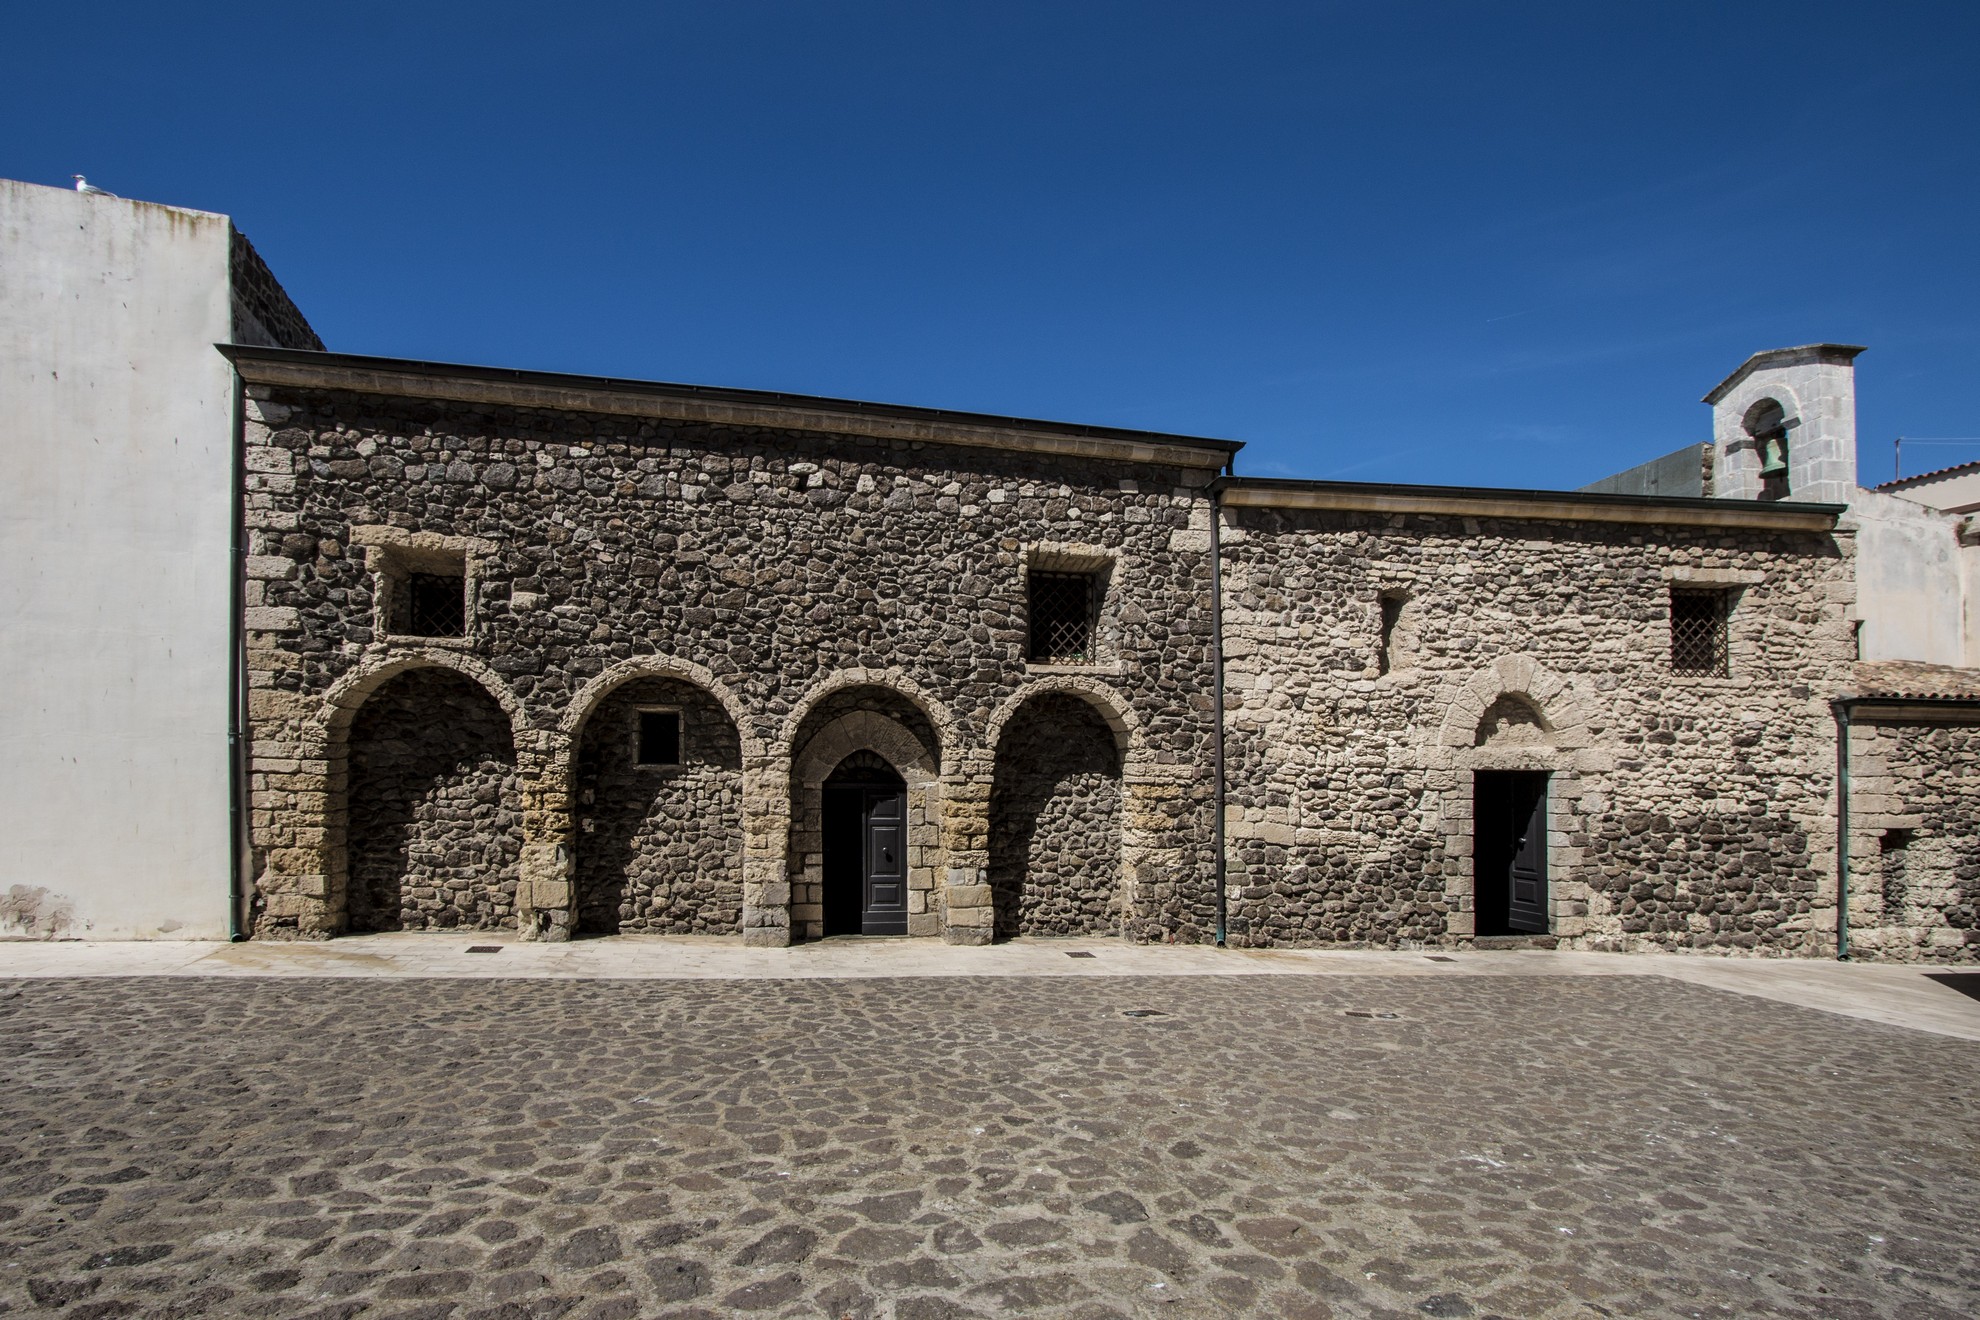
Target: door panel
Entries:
(1509, 852)
(1526, 906)
(886, 864)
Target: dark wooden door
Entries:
(1526, 899)
(865, 830)
(884, 891)
(1509, 852)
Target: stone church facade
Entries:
(568, 656)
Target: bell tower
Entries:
(1784, 426)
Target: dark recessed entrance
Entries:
(865, 828)
(1509, 851)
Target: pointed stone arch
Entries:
(1111, 706)
(594, 692)
(895, 680)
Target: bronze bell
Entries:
(1773, 454)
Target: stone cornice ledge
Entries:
(1527, 505)
(397, 378)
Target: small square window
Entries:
(659, 737)
(1698, 632)
(433, 605)
(1063, 609)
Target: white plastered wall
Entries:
(115, 513)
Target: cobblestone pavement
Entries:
(928, 1148)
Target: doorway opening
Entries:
(865, 838)
(1509, 851)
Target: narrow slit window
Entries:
(659, 737)
(1392, 606)
(1698, 632)
(435, 605)
(1062, 617)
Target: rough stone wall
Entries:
(262, 310)
(772, 560)
(434, 831)
(1055, 822)
(1915, 835)
(1683, 812)
(659, 849)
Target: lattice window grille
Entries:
(435, 605)
(1698, 632)
(1062, 617)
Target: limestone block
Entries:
(273, 618)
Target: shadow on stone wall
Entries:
(434, 830)
(659, 847)
(1055, 822)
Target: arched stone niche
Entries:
(1147, 794)
(308, 860)
(1516, 714)
(550, 810)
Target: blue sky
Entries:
(1479, 243)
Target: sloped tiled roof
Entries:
(1916, 680)
(1937, 474)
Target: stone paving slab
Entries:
(914, 1147)
(1900, 994)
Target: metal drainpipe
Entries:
(236, 671)
(1217, 697)
(1840, 708)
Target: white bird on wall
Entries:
(85, 186)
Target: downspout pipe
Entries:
(1217, 700)
(1840, 708)
(237, 841)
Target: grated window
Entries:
(1698, 632)
(1062, 610)
(435, 605)
(659, 737)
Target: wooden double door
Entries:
(1509, 851)
(865, 829)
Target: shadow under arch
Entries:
(658, 840)
(426, 802)
(1057, 811)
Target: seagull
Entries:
(85, 186)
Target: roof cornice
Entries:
(754, 409)
(1835, 354)
(1529, 505)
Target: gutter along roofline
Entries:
(752, 409)
(1534, 505)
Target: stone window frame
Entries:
(680, 762)
(1073, 557)
(393, 554)
(1742, 651)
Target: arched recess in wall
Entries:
(655, 752)
(423, 792)
(1766, 424)
(1057, 811)
(836, 723)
